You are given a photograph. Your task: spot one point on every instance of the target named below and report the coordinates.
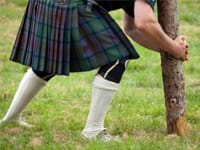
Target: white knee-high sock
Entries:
(28, 88)
(102, 94)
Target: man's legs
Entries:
(104, 87)
(30, 85)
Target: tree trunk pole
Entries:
(173, 80)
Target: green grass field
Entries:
(137, 113)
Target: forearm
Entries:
(154, 34)
(138, 37)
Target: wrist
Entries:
(174, 51)
(172, 48)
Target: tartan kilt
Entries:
(62, 36)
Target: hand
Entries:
(181, 48)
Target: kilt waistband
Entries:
(60, 2)
(90, 3)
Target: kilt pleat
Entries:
(65, 37)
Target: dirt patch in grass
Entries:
(2, 3)
(36, 141)
(13, 131)
(59, 138)
(139, 135)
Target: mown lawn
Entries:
(137, 113)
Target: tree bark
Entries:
(173, 80)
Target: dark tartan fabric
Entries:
(63, 36)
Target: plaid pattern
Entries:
(63, 37)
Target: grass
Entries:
(137, 113)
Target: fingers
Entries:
(186, 46)
(183, 47)
(183, 38)
(184, 56)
